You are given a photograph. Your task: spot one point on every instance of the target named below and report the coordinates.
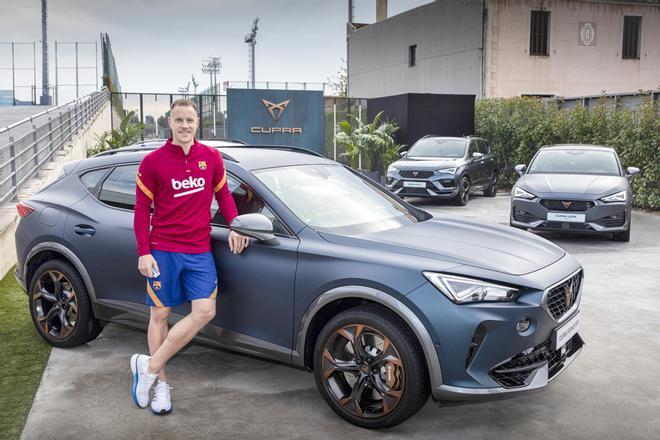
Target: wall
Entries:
(448, 35)
(570, 69)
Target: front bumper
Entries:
(440, 185)
(599, 217)
(481, 352)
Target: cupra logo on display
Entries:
(275, 111)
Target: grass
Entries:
(23, 357)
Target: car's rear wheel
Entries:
(463, 196)
(369, 369)
(491, 191)
(60, 307)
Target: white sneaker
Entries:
(161, 404)
(142, 379)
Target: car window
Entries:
(472, 148)
(578, 161)
(247, 202)
(91, 179)
(119, 188)
(484, 148)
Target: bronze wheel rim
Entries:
(55, 304)
(465, 186)
(363, 371)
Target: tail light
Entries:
(24, 209)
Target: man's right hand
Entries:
(145, 265)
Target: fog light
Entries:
(523, 325)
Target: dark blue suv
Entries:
(385, 302)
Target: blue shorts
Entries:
(182, 278)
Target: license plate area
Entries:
(561, 335)
(566, 217)
(409, 184)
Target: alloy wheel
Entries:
(363, 371)
(465, 190)
(55, 304)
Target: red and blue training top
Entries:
(181, 188)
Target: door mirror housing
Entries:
(403, 153)
(477, 155)
(631, 171)
(254, 225)
(520, 169)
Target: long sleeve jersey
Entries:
(181, 188)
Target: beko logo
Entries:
(275, 111)
(195, 185)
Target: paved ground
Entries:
(611, 392)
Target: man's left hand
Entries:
(238, 242)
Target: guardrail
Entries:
(28, 144)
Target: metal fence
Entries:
(616, 100)
(28, 144)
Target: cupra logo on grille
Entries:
(568, 295)
(567, 204)
(271, 107)
(415, 173)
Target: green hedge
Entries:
(517, 127)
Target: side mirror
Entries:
(254, 225)
(403, 153)
(631, 171)
(477, 155)
(520, 169)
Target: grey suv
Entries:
(385, 302)
(445, 167)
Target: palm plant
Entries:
(374, 142)
(128, 133)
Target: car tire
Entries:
(382, 380)
(491, 191)
(60, 307)
(463, 196)
(623, 236)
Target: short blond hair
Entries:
(183, 102)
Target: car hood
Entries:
(462, 241)
(572, 185)
(412, 163)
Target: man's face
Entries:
(183, 121)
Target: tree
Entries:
(128, 133)
(338, 83)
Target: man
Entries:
(180, 178)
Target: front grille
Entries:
(562, 297)
(414, 191)
(415, 174)
(567, 205)
(567, 226)
(516, 372)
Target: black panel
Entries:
(419, 114)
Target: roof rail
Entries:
(143, 149)
(278, 147)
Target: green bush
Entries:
(518, 127)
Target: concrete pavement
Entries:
(611, 392)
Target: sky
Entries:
(159, 44)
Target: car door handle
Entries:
(84, 230)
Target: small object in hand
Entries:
(154, 273)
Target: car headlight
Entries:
(466, 290)
(392, 169)
(448, 170)
(621, 196)
(520, 193)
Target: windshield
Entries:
(331, 198)
(597, 162)
(436, 147)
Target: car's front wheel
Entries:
(463, 196)
(60, 307)
(369, 369)
(491, 191)
(623, 236)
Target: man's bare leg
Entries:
(203, 311)
(157, 332)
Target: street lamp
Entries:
(212, 66)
